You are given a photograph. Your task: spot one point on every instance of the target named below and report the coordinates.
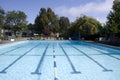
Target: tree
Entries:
(113, 23)
(38, 25)
(53, 21)
(55, 27)
(50, 15)
(64, 25)
(30, 26)
(16, 20)
(2, 17)
(41, 21)
(46, 22)
(84, 26)
(29, 30)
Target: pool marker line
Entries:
(105, 53)
(55, 68)
(4, 70)
(40, 63)
(73, 67)
(104, 69)
(55, 65)
(11, 50)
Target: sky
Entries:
(72, 9)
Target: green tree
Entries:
(46, 22)
(30, 26)
(53, 21)
(113, 23)
(16, 20)
(84, 26)
(102, 30)
(64, 25)
(55, 27)
(2, 17)
(41, 22)
(50, 15)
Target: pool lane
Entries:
(15, 48)
(27, 64)
(72, 66)
(12, 50)
(103, 67)
(101, 51)
(40, 62)
(64, 67)
(108, 54)
(4, 70)
(47, 67)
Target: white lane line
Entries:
(55, 65)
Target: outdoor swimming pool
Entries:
(58, 60)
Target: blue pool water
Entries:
(58, 60)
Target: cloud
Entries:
(96, 10)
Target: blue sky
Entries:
(72, 9)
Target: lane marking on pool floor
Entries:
(104, 53)
(4, 70)
(104, 68)
(55, 65)
(40, 62)
(12, 50)
(70, 62)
